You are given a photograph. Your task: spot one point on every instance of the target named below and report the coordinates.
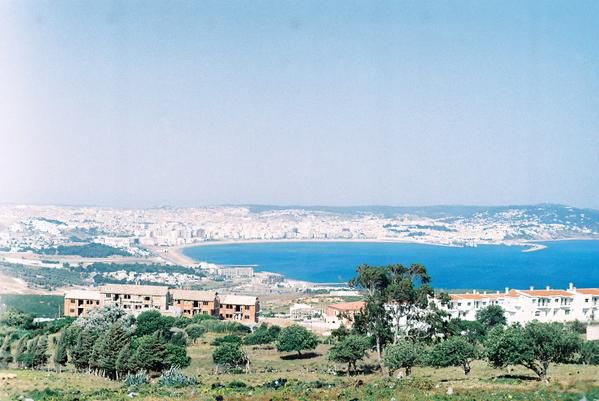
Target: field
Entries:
(37, 305)
(312, 378)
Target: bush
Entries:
(231, 339)
(136, 379)
(174, 377)
(229, 356)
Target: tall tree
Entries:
(21, 350)
(40, 353)
(408, 295)
(60, 352)
(150, 353)
(5, 354)
(374, 320)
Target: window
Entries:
(146, 298)
(205, 303)
(247, 307)
(72, 301)
(247, 317)
(127, 296)
(107, 295)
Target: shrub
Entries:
(232, 339)
(136, 379)
(174, 377)
(229, 356)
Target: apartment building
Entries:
(139, 298)
(78, 302)
(135, 297)
(522, 306)
(191, 303)
(239, 307)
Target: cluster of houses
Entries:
(176, 302)
(520, 306)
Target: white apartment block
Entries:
(522, 306)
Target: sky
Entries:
(151, 103)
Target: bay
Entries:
(492, 267)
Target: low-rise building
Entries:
(239, 307)
(304, 311)
(523, 306)
(78, 302)
(191, 303)
(341, 313)
(135, 297)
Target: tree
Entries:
(534, 346)
(176, 356)
(60, 352)
(473, 330)
(262, 335)
(82, 349)
(349, 349)
(109, 347)
(491, 316)
(149, 322)
(5, 354)
(16, 318)
(21, 350)
(150, 354)
(296, 338)
(229, 356)
(455, 351)
(405, 354)
(340, 332)
(40, 352)
(374, 319)
(408, 296)
(124, 363)
(589, 352)
(194, 331)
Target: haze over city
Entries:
(341, 103)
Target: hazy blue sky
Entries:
(299, 102)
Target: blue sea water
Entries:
(491, 267)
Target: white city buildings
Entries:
(522, 306)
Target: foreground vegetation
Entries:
(109, 355)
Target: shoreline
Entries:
(175, 254)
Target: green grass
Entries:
(36, 305)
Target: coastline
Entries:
(176, 253)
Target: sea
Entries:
(489, 267)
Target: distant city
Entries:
(32, 227)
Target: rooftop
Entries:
(348, 306)
(238, 300)
(588, 291)
(134, 289)
(83, 294)
(547, 293)
(192, 295)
